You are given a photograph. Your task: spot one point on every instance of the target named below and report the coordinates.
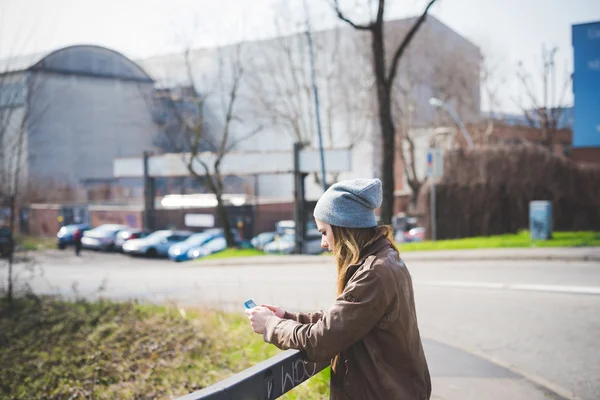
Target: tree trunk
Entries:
(414, 198)
(224, 217)
(13, 206)
(388, 133)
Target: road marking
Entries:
(590, 290)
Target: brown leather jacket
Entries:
(370, 334)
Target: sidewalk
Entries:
(460, 375)
(549, 253)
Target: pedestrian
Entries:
(370, 333)
(77, 240)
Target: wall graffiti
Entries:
(277, 376)
(301, 370)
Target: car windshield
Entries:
(158, 235)
(198, 239)
(108, 228)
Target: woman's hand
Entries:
(258, 318)
(279, 312)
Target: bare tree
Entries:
(384, 79)
(282, 84)
(406, 143)
(19, 113)
(546, 112)
(208, 143)
(450, 72)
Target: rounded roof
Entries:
(92, 61)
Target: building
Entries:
(275, 92)
(67, 114)
(85, 106)
(586, 91)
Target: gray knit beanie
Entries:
(350, 204)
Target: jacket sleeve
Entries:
(304, 318)
(354, 313)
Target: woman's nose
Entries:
(324, 243)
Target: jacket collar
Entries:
(370, 250)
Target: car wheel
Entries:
(151, 253)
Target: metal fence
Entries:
(265, 381)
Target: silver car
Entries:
(156, 244)
(102, 238)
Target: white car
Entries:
(287, 243)
(156, 244)
(262, 239)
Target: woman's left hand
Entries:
(258, 318)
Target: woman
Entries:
(370, 334)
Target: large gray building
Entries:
(66, 115)
(275, 90)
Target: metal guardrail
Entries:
(265, 381)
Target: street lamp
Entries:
(435, 102)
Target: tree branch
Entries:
(404, 45)
(341, 16)
(380, 10)
(241, 139)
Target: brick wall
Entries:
(132, 217)
(43, 220)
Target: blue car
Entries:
(64, 237)
(183, 251)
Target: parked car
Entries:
(215, 245)
(285, 227)
(102, 237)
(183, 251)
(286, 244)
(414, 235)
(399, 236)
(262, 239)
(129, 234)
(156, 244)
(7, 244)
(65, 237)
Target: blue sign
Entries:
(435, 163)
(586, 84)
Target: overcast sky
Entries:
(508, 31)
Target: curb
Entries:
(407, 257)
(539, 382)
(583, 258)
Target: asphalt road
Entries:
(538, 318)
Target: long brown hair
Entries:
(349, 243)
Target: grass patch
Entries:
(36, 243)
(233, 253)
(519, 240)
(54, 349)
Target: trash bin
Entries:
(540, 220)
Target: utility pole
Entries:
(316, 95)
(148, 194)
(299, 206)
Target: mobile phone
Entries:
(250, 304)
